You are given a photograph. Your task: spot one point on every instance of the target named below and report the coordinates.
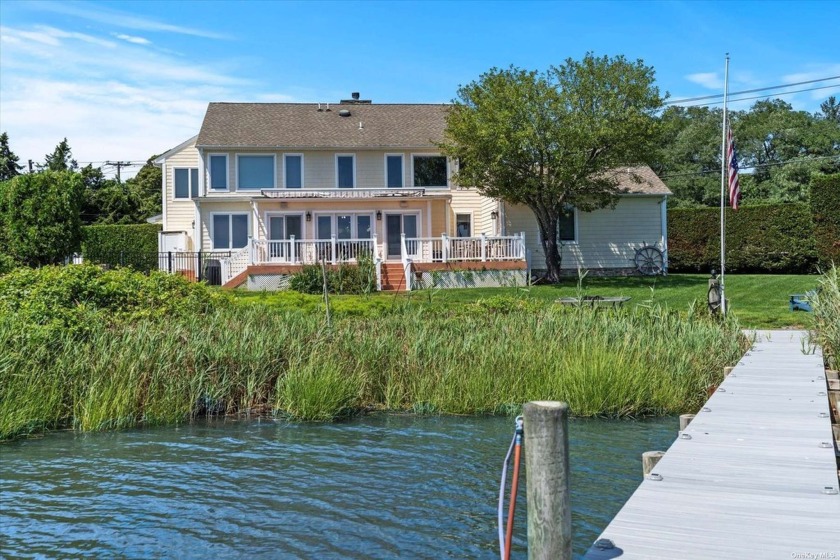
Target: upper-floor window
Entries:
(429, 171)
(293, 169)
(186, 182)
(394, 171)
(218, 172)
(345, 170)
(255, 172)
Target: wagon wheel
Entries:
(649, 260)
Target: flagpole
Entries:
(723, 190)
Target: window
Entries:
(394, 172)
(463, 225)
(566, 225)
(230, 231)
(255, 172)
(186, 183)
(430, 171)
(345, 171)
(293, 166)
(218, 173)
(346, 226)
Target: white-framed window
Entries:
(293, 171)
(218, 172)
(284, 225)
(463, 225)
(567, 226)
(186, 182)
(229, 230)
(344, 225)
(429, 170)
(255, 171)
(345, 171)
(394, 175)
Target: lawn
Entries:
(758, 300)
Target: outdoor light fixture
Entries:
(494, 215)
(308, 216)
(379, 215)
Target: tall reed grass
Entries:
(254, 359)
(826, 306)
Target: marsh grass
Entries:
(826, 305)
(261, 360)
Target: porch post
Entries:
(524, 253)
(403, 248)
(332, 243)
(292, 249)
(252, 250)
(373, 250)
(444, 242)
(483, 247)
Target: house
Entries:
(265, 188)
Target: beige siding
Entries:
(605, 238)
(180, 213)
(468, 201)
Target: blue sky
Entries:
(125, 80)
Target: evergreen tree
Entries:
(8, 160)
(60, 160)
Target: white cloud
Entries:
(132, 39)
(112, 99)
(710, 80)
(102, 14)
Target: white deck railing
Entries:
(482, 248)
(302, 251)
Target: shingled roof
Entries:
(302, 125)
(640, 180)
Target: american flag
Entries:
(734, 186)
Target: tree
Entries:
(41, 216)
(60, 160)
(551, 140)
(830, 109)
(146, 188)
(8, 160)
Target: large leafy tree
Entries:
(61, 159)
(550, 140)
(146, 188)
(8, 160)
(41, 216)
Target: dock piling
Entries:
(649, 460)
(547, 475)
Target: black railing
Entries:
(195, 265)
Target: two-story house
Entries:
(269, 187)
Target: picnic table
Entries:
(593, 301)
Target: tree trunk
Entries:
(551, 247)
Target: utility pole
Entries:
(118, 165)
(30, 166)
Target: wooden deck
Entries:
(753, 480)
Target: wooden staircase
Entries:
(393, 277)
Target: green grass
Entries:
(758, 300)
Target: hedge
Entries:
(825, 208)
(134, 245)
(773, 238)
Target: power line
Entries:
(717, 95)
(716, 172)
(763, 96)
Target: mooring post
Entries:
(649, 460)
(685, 420)
(547, 476)
(727, 370)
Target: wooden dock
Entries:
(753, 476)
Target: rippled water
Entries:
(379, 487)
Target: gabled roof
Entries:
(162, 157)
(302, 126)
(640, 180)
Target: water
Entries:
(378, 487)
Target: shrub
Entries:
(774, 238)
(134, 245)
(825, 208)
(827, 316)
(67, 298)
(343, 279)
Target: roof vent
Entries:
(355, 95)
(344, 113)
(355, 100)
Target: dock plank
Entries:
(750, 482)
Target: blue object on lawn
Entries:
(802, 302)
